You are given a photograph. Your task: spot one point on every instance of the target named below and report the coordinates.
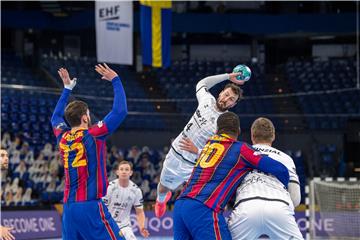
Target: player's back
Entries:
(264, 186)
(84, 157)
(218, 172)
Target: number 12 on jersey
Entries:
(79, 160)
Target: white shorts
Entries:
(175, 171)
(128, 233)
(255, 218)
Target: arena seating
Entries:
(29, 113)
(311, 75)
(14, 71)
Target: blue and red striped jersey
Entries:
(84, 156)
(83, 151)
(222, 165)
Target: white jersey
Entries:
(258, 185)
(202, 124)
(120, 200)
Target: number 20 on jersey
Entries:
(210, 155)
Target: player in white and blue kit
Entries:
(179, 163)
(263, 206)
(122, 195)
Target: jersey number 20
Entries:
(211, 155)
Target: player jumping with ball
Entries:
(179, 163)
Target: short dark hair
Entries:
(74, 111)
(228, 123)
(236, 89)
(123, 162)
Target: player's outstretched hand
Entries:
(187, 145)
(106, 72)
(65, 77)
(232, 78)
(5, 233)
(144, 232)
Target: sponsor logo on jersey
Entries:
(267, 150)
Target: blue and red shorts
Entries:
(194, 220)
(89, 220)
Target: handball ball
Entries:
(245, 72)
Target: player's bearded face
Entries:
(226, 100)
(4, 160)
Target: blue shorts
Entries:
(194, 220)
(89, 220)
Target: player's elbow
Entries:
(122, 113)
(202, 83)
(120, 116)
(199, 85)
(295, 194)
(296, 201)
(139, 212)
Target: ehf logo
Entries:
(111, 15)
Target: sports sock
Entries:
(160, 196)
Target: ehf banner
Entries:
(114, 32)
(155, 27)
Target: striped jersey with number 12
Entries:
(84, 155)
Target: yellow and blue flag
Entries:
(155, 17)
